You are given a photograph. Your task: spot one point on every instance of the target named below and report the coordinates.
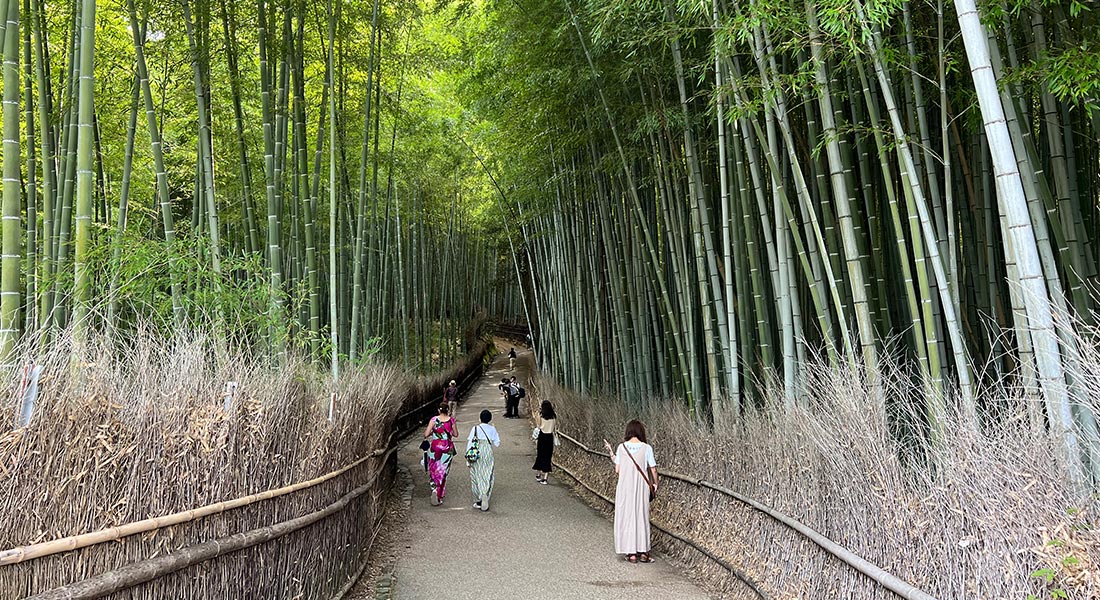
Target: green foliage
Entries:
(423, 48)
(1074, 74)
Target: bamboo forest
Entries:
(841, 257)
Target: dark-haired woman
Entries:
(547, 423)
(441, 431)
(637, 469)
(481, 470)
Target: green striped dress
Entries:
(481, 471)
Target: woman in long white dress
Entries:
(637, 469)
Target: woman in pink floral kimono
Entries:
(441, 431)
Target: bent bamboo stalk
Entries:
(154, 568)
(867, 568)
(24, 553)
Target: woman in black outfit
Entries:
(547, 436)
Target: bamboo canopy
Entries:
(723, 192)
(169, 182)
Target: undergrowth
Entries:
(124, 432)
(992, 517)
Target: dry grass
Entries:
(995, 524)
(124, 434)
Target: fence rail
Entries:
(149, 569)
(887, 580)
(152, 568)
(404, 424)
(513, 332)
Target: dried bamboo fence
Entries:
(817, 504)
(310, 538)
(853, 560)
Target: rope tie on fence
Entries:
(860, 564)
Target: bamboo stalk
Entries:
(82, 282)
(10, 288)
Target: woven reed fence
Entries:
(134, 481)
(819, 506)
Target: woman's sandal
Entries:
(644, 557)
(632, 558)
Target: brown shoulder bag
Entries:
(652, 488)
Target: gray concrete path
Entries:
(537, 541)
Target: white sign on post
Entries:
(230, 395)
(29, 393)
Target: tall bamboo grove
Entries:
(190, 163)
(722, 191)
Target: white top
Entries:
(548, 425)
(484, 431)
(633, 447)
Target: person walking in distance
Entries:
(512, 359)
(450, 396)
(546, 437)
(481, 468)
(637, 487)
(441, 433)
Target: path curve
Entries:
(537, 541)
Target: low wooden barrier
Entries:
(153, 568)
(882, 577)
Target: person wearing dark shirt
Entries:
(450, 396)
(512, 406)
(505, 393)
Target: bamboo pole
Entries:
(82, 283)
(11, 295)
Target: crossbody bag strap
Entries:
(636, 466)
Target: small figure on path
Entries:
(450, 396)
(545, 440)
(637, 469)
(441, 431)
(512, 359)
(481, 469)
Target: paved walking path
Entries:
(537, 541)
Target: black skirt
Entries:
(544, 452)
